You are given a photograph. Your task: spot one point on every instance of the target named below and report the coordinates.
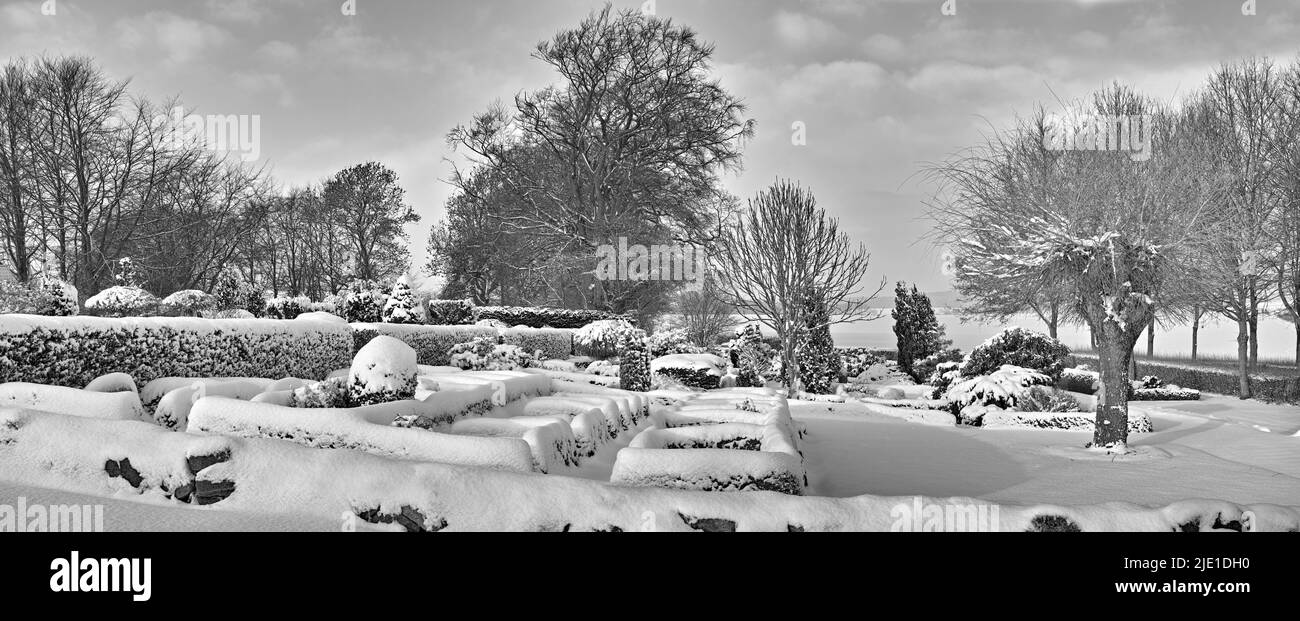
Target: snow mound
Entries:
(383, 370)
(72, 401)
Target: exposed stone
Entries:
(709, 525)
(209, 492)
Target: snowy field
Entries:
(1217, 337)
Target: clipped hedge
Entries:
(72, 351)
(1271, 389)
(554, 343)
(431, 343)
(540, 317)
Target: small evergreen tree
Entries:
(819, 363)
(919, 332)
(402, 305)
(229, 290)
(634, 363)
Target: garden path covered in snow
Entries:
(1214, 451)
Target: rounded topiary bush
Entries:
(1021, 348)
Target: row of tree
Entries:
(91, 173)
(1207, 224)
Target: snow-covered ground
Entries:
(1208, 449)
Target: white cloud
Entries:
(279, 52)
(799, 30)
(180, 40)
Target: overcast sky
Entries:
(882, 87)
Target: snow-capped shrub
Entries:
(750, 356)
(52, 297)
(431, 343)
(402, 307)
(122, 301)
(671, 341)
(330, 393)
(383, 370)
(945, 373)
(255, 301)
(1047, 399)
(234, 313)
(486, 354)
(72, 351)
(855, 360)
(1150, 381)
(694, 370)
(450, 312)
(187, 303)
(553, 343)
(1003, 388)
(600, 339)
(362, 301)
(540, 317)
(926, 368)
(602, 367)
(1021, 348)
(281, 307)
(1079, 380)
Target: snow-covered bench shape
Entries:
(726, 441)
(590, 424)
(1138, 422)
(640, 400)
(370, 429)
(777, 466)
(108, 457)
(507, 386)
(72, 401)
(551, 438)
(580, 378)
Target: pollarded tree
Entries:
(1114, 231)
(782, 248)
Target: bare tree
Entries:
(785, 250)
(1111, 230)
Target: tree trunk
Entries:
(1114, 358)
(1151, 338)
(1254, 328)
(1243, 355)
(1196, 328)
(1056, 320)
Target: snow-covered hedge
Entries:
(370, 429)
(695, 370)
(1166, 393)
(729, 440)
(1079, 380)
(540, 317)
(554, 343)
(602, 339)
(550, 438)
(587, 421)
(72, 351)
(172, 409)
(1138, 422)
(187, 303)
(1017, 347)
(585, 378)
(450, 312)
(431, 343)
(282, 307)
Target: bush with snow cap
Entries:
(383, 370)
(601, 339)
(1017, 347)
(486, 354)
(402, 307)
(282, 307)
(362, 301)
(188, 303)
(122, 301)
(1005, 388)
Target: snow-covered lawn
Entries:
(1208, 449)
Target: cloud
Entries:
(279, 52)
(265, 83)
(799, 30)
(179, 40)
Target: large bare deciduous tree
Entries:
(784, 250)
